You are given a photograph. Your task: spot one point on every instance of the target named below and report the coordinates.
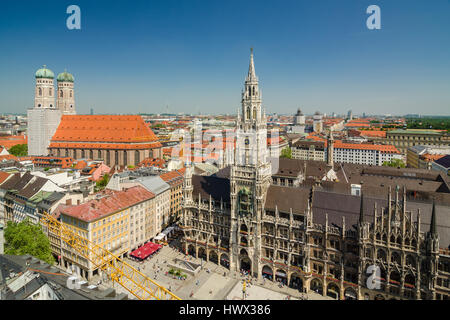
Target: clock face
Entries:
(247, 141)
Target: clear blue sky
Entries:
(139, 56)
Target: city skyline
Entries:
(190, 56)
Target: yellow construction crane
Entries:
(137, 283)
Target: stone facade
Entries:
(310, 238)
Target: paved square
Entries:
(255, 292)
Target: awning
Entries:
(160, 236)
(146, 250)
(281, 274)
(168, 230)
(164, 233)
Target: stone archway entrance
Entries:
(224, 261)
(267, 273)
(245, 263)
(281, 276)
(296, 282)
(316, 286)
(333, 291)
(350, 294)
(202, 253)
(213, 257)
(191, 250)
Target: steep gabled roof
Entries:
(287, 198)
(218, 188)
(109, 129)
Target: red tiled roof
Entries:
(152, 162)
(172, 177)
(80, 165)
(104, 129)
(373, 133)
(10, 141)
(364, 146)
(357, 125)
(4, 176)
(63, 162)
(8, 157)
(125, 146)
(114, 201)
(431, 157)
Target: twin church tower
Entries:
(44, 118)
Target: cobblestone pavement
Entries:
(212, 282)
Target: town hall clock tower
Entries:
(249, 178)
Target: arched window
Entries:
(40, 91)
(253, 90)
(61, 93)
(248, 112)
(381, 255)
(395, 257)
(411, 261)
(137, 157)
(254, 113)
(50, 91)
(71, 93)
(410, 279)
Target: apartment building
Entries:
(119, 221)
(309, 150)
(405, 138)
(175, 180)
(370, 154)
(422, 156)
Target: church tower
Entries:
(249, 178)
(66, 95)
(44, 95)
(44, 118)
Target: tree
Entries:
(19, 150)
(101, 184)
(27, 238)
(394, 163)
(286, 153)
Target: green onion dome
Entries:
(65, 77)
(45, 73)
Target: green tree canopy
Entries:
(101, 184)
(286, 153)
(27, 238)
(19, 150)
(394, 163)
